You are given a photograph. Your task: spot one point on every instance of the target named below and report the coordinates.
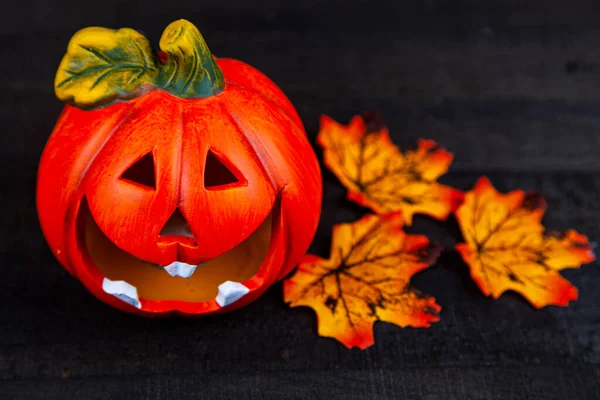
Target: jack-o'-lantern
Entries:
(174, 182)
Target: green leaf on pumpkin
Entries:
(104, 65)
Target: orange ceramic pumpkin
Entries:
(174, 182)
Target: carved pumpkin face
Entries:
(163, 203)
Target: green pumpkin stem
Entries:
(190, 70)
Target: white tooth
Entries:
(123, 291)
(181, 269)
(230, 292)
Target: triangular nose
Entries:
(176, 226)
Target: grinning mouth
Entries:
(134, 280)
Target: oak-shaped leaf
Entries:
(380, 176)
(365, 280)
(507, 247)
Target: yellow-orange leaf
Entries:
(379, 176)
(507, 248)
(365, 280)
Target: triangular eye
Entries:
(217, 173)
(142, 172)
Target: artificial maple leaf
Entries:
(365, 280)
(379, 176)
(507, 248)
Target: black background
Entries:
(511, 87)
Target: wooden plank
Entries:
(379, 67)
(449, 16)
(515, 382)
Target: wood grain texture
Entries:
(547, 382)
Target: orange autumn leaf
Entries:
(508, 248)
(365, 280)
(381, 177)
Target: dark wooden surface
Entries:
(511, 87)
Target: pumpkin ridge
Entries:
(259, 155)
(180, 152)
(266, 99)
(301, 135)
(133, 109)
(76, 199)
